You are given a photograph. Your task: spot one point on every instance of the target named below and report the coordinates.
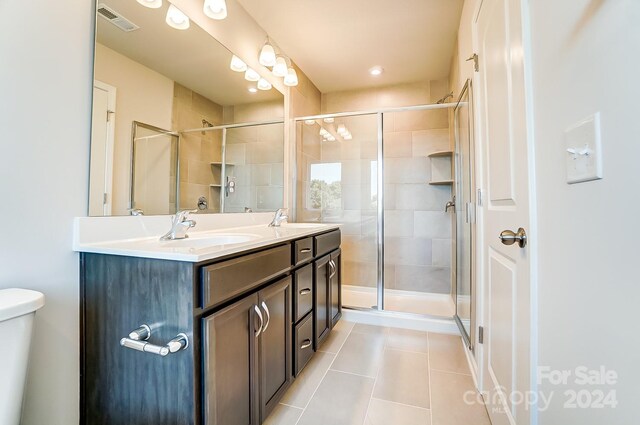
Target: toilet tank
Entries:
(17, 310)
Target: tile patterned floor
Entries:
(372, 375)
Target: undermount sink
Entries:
(207, 240)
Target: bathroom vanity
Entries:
(252, 313)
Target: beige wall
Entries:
(141, 95)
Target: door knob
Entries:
(509, 238)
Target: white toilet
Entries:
(17, 310)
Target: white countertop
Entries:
(150, 246)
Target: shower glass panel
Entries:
(337, 183)
(417, 230)
(251, 172)
(465, 202)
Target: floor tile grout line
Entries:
(375, 381)
(451, 372)
(401, 404)
(323, 377)
(429, 378)
(352, 373)
(406, 351)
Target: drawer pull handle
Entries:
(137, 340)
(305, 344)
(259, 330)
(305, 250)
(305, 291)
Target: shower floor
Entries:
(400, 301)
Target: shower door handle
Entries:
(509, 238)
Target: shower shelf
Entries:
(441, 168)
(220, 163)
(440, 154)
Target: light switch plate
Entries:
(583, 150)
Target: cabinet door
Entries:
(322, 304)
(230, 368)
(335, 278)
(275, 347)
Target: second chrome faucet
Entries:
(179, 226)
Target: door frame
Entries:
(109, 143)
(483, 382)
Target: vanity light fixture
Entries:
(342, 129)
(237, 64)
(215, 9)
(152, 4)
(280, 68)
(376, 71)
(329, 120)
(177, 19)
(347, 136)
(253, 90)
(309, 122)
(251, 75)
(331, 139)
(323, 132)
(291, 79)
(264, 84)
(267, 55)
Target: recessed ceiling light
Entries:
(376, 70)
(253, 90)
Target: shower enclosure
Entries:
(386, 177)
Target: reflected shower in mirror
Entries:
(179, 81)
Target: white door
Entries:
(102, 137)
(506, 206)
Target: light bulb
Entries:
(376, 70)
(309, 122)
(253, 90)
(264, 84)
(237, 64)
(251, 75)
(347, 136)
(341, 129)
(153, 4)
(280, 68)
(215, 9)
(267, 55)
(331, 139)
(176, 19)
(323, 132)
(329, 120)
(291, 79)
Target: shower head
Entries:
(441, 101)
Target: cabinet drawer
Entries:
(303, 350)
(303, 292)
(225, 280)
(302, 251)
(327, 242)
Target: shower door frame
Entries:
(380, 192)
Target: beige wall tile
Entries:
(441, 252)
(426, 142)
(407, 251)
(407, 170)
(423, 278)
(398, 223)
(422, 197)
(432, 224)
(398, 145)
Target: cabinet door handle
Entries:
(266, 310)
(305, 344)
(305, 250)
(305, 291)
(333, 269)
(259, 330)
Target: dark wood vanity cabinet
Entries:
(253, 321)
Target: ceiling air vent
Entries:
(115, 18)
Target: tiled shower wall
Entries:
(199, 149)
(418, 233)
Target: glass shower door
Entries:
(465, 215)
(337, 183)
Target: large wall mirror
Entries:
(173, 126)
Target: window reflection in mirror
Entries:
(179, 81)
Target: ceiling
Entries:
(191, 57)
(336, 42)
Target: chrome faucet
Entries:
(179, 226)
(281, 215)
(450, 204)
